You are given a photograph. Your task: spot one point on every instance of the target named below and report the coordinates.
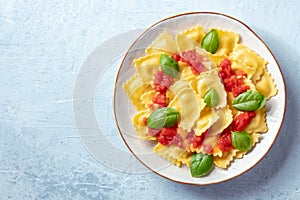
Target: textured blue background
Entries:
(43, 44)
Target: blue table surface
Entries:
(43, 45)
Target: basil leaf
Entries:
(211, 41)
(250, 100)
(169, 66)
(164, 117)
(211, 97)
(201, 164)
(241, 140)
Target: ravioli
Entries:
(198, 128)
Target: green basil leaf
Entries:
(201, 164)
(250, 100)
(241, 140)
(211, 97)
(211, 41)
(169, 66)
(164, 117)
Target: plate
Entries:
(124, 110)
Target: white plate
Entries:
(124, 110)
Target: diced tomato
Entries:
(167, 135)
(224, 142)
(242, 120)
(233, 82)
(241, 73)
(194, 60)
(151, 106)
(198, 140)
(168, 131)
(176, 57)
(162, 82)
(145, 121)
(226, 70)
(160, 99)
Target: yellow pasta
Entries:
(258, 124)
(185, 158)
(238, 66)
(207, 118)
(171, 153)
(164, 43)
(225, 119)
(195, 33)
(228, 40)
(187, 75)
(198, 126)
(146, 98)
(139, 125)
(135, 88)
(266, 85)
(199, 85)
(217, 58)
(191, 106)
(184, 43)
(147, 66)
(248, 57)
(226, 158)
(212, 80)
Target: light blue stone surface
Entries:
(43, 45)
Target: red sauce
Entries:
(160, 99)
(167, 135)
(176, 57)
(233, 82)
(242, 120)
(145, 121)
(224, 142)
(238, 124)
(162, 82)
(194, 60)
(196, 141)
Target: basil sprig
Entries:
(164, 117)
(241, 140)
(250, 100)
(201, 164)
(211, 41)
(169, 66)
(211, 97)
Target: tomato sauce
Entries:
(196, 141)
(224, 142)
(162, 82)
(238, 124)
(242, 120)
(167, 136)
(233, 82)
(160, 99)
